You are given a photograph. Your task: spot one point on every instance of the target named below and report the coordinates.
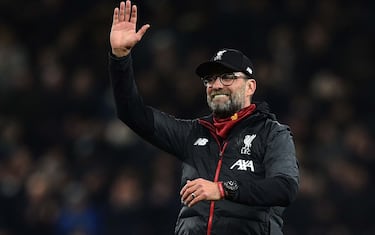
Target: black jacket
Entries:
(258, 153)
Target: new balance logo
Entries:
(243, 165)
(201, 142)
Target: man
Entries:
(239, 166)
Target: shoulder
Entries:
(275, 125)
(271, 122)
(276, 131)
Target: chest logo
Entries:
(201, 142)
(248, 140)
(242, 165)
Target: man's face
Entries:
(224, 101)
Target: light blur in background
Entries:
(69, 167)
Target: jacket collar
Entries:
(261, 111)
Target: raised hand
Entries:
(123, 35)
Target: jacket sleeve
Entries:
(160, 129)
(281, 182)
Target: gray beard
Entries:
(227, 109)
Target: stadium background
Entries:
(68, 166)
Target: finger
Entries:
(189, 191)
(187, 200)
(186, 194)
(115, 16)
(186, 185)
(186, 189)
(199, 196)
(127, 10)
(183, 190)
(133, 17)
(142, 31)
(193, 201)
(122, 12)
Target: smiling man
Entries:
(239, 169)
(228, 77)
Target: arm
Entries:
(158, 128)
(129, 105)
(278, 188)
(123, 37)
(280, 185)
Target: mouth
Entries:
(219, 95)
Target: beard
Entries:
(233, 104)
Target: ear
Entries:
(251, 86)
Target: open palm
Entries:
(123, 35)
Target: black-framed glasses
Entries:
(226, 79)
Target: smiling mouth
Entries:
(213, 96)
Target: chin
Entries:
(222, 115)
(224, 109)
(221, 111)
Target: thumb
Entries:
(143, 30)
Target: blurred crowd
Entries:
(68, 166)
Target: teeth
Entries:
(219, 95)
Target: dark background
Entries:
(68, 166)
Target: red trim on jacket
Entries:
(216, 179)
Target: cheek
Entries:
(208, 92)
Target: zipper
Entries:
(216, 179)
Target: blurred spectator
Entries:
(77, 216)
(126, 205)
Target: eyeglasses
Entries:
(226, 79)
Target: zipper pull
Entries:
(222, 149)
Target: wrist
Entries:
(221, 190)
(120, 52)
(230, 189)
